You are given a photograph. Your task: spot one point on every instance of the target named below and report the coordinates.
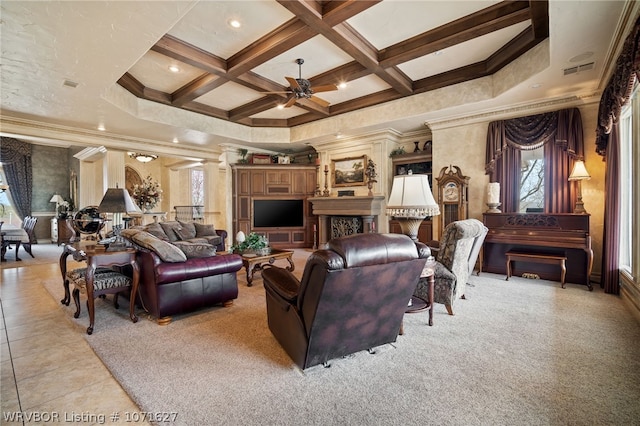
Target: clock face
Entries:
(451, 192)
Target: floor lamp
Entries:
(410, 202)
(579, 173)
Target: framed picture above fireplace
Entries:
(348, 171)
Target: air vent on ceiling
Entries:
(579, 68)
(70, 83)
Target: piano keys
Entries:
(555, 233)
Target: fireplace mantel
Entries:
(367, 207)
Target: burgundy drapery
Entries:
(505, 140)
(614, 97)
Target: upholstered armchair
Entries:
(456, 256)
(352, 296)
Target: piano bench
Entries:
(556, 259)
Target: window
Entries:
(629, 161)
(197, 187)
(532, 180)
(7, 213)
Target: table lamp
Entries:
(579, 173)
(117, 201)
(58, 200)
(410, 202)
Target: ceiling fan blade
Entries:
(290, 102)
(275, 93)
(319, 101)
(293, 83)
(324, 88)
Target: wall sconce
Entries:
(410, 202)
(143, 158)
(3, 187)
(579, 173)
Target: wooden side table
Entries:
(257, 261)
(96, 255)
(419, 305)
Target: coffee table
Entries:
(254, 262)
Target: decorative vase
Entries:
(370, 186)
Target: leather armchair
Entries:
(456, 257)
(352, 296)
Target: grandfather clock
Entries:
(453, 198)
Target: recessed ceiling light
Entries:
(280, 106)
(536, 86)
(437, 52)
(174, 68)
(342, 85)
(175, 140)
(234, 23)
(101, 127)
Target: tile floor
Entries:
(48, 369)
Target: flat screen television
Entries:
(278, 213)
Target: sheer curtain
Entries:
(560, 133)
(15, 157)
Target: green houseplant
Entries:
(253, 243)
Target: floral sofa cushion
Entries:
(165, 250)
(196, 249)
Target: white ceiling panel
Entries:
(228, 96)
(392, 21)
(460, 55)
(355, 89)
(319, 54)
(283, 114)
(207, 25)
(152, 70)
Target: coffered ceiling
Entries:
(380, 50)
(68, 67)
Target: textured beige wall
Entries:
(462, 146)
(465, 146)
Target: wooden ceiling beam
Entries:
(189, 54)
(283, 38)
(196, 88)
(346, 38)
(464, 29)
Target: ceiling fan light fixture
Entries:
(143, 158)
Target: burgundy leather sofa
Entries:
(352, 296)
(171, 288)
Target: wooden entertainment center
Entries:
(287, 186)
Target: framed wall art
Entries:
(348, 171)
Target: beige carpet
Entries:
(521, 352)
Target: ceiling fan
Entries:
(301, 88)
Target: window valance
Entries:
(618, 90)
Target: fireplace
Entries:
(340, 216)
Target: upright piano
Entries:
(556, 233)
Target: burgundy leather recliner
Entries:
(352, 296)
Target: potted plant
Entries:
(242, 152)
(253, 243)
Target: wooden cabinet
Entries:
(62, 231)
(425, 232)
(285, 188)
(418, 162)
